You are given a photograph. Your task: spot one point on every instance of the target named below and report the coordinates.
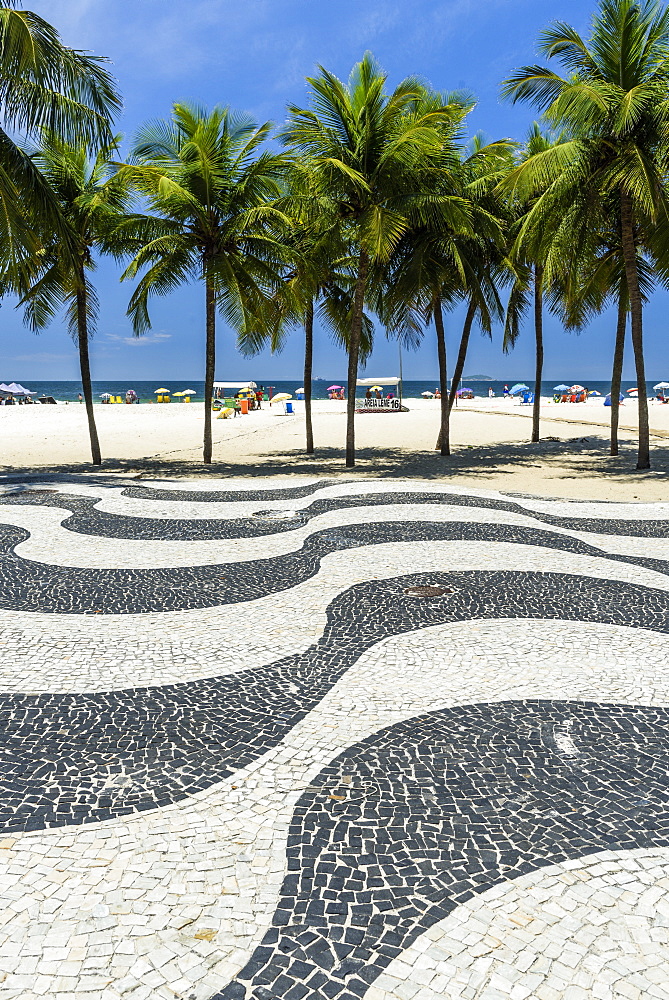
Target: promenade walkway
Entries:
(308, 739)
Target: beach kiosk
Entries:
(371, 395)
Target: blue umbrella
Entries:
(561, 388)
(607, 401)
(519, 387)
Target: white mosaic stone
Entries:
(594, 928)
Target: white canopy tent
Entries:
(392, 380)
(16, 389)
(235, 385)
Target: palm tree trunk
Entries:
(617, 372)
(445, 425)
(210, 364)
(539, 349)
(636, 310)
(353, 352)
(308, 365)
(85, 367)
(462, 352)
(460, 362)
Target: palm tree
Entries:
(317, 283)
(369, 149)
(529, 282)
(613, 104)
(211, 193)
(43, 85)
(91, 199)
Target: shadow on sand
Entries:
(556, 461)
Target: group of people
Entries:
(16, 400)
(377, 394)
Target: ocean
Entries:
(69, 391)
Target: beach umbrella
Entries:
(105, 395)
(429, 394)
(607, 401)
(577, 388)
(300, 390)
(178, 393)
(280, 397)
(561, 388)
(331, 388)
(518, 387)
(633, 392)
(593, 392)
(161, 390)
(189, 392)
(660, 385)
(375, 387)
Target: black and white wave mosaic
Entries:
(391, 834)
(71, 759)
(86, 519)
(27, 585)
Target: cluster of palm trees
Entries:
(368, 206)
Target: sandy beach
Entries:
(489, 438)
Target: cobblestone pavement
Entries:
(331, 740)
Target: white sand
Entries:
(489, 439)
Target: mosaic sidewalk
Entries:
(353, 739)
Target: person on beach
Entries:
(491, 392)
(81, 398)
(506, 390)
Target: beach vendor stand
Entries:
(374, 401)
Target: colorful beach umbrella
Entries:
(561, 388)
(518, 387)
(577, 388)
(331, 388)
(280, 397)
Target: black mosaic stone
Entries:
(27, 585)
(87, 520)
(411, 822)
(228, 496)
(81, 758)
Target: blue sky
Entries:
(254, 55)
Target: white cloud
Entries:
(149, 338)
